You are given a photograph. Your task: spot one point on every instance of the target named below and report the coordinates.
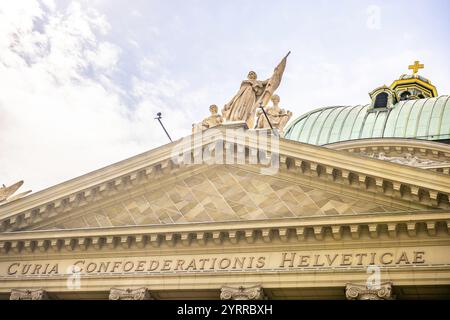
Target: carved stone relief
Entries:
(363, 292)
(20, 294)
(406, 159)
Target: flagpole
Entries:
(267, 118)
(158, 117)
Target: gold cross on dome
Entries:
(415, 67)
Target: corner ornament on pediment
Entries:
(363, 292)
(26, 294)
(129, 294)
(242, 293)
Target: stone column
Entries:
(27, 294)
(242, 293)
(363, 292)
(129, 294)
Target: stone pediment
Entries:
(157, 187)
(217, 194)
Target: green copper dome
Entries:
(427, 119)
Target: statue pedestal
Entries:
(234, 125)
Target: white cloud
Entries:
(135, 13)
(104, 57)
(134, 43)
(149, 65)
(61, 114)
(81, 81)
(49, 4)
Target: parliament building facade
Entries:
(349, 202)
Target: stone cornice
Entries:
(319, 162)
(233, 232)
(370, 167)
(438, 153)
(426, 148)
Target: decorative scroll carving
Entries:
(20, 294)
(129, 294)
(363, 292)
(242, 293)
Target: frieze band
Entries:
(283, 260)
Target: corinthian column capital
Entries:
(242, 293)
(129, 294)
(26, 294)
(363, 292)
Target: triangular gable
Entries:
(216, 194)
(340, 173)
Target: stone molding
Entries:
(423, 154)
(129, 294)
(409, 159)
(25, 294)
(363, 292)
(422, 148)
(392, 180)
(242, 293)
(236, 232)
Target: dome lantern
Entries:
(414, 86)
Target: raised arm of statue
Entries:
(242, 107)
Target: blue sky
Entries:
(82, 80)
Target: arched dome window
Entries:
(381, 100)
(405, 95)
